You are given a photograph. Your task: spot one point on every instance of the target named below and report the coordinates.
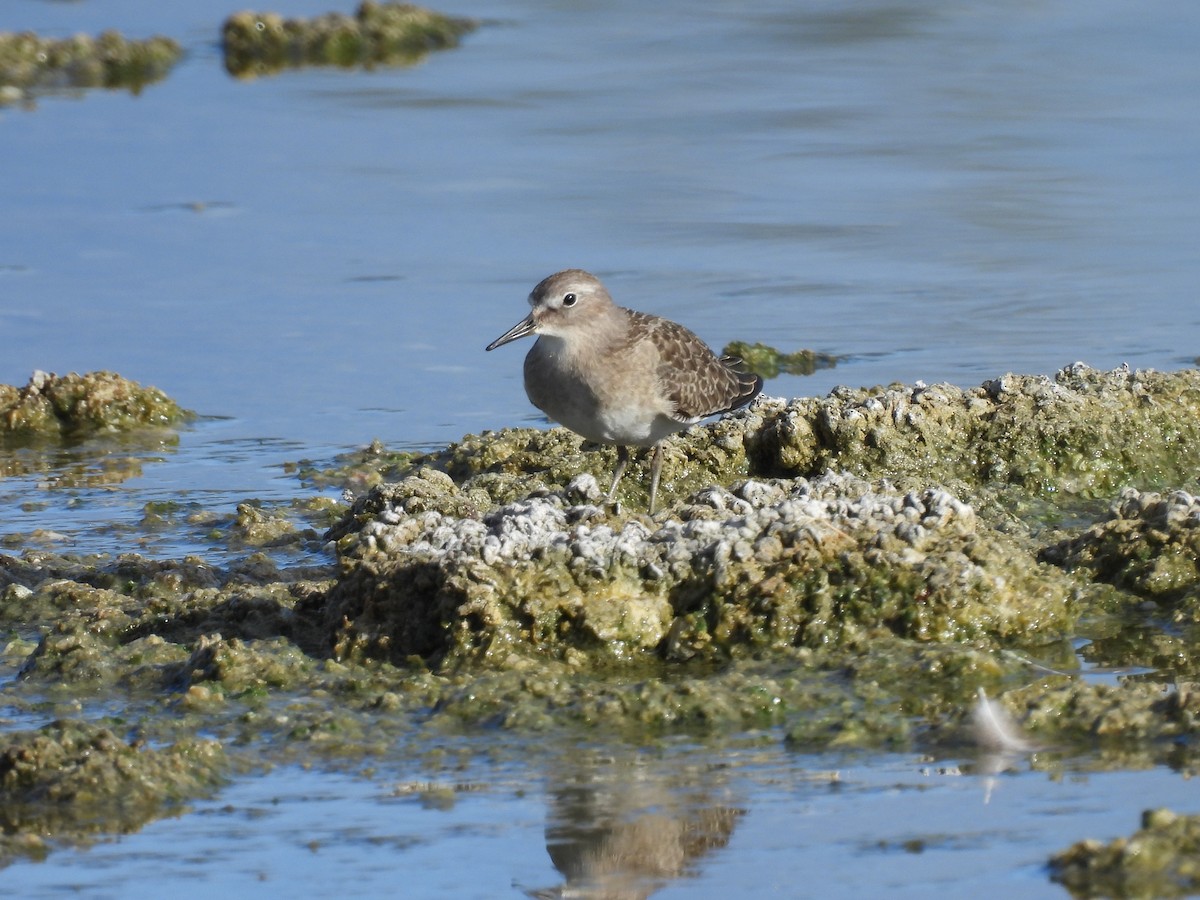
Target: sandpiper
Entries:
(617, 376)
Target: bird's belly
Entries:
(637, 427)
(605, 417)
(627, 427)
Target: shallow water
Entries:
(775, 824)
(930, 191)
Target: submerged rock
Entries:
(80, 405)
(29, 62)
(1161, 859)
(72, 779)
(769, 362)
(379, 34)
(131, 621)
(1114, 717)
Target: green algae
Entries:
(257, 526)
(296, 525)
(245, 667)
(1160, 859)
(379, 34)
(769, 362)
(356, 471)
(75, 406)
(1148, 544)
(73, 780)
(92, 620)
(29, 62)
(1079, 712)
(1085, 433)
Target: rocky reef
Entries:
(848, 571)
(769, 565)
(29, 62)
(378, 34)
(254, 43)
(871, 533)
(74, 779)
(1149, 545)
(498, 548)
(1161, 859)
(74, 406)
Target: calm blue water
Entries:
(936, 191)
(939, 191)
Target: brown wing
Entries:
(749, 385)
(698, 383)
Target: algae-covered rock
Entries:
(79, 405)
(357, 470)
(28, 61)
(495, 468)
(1109, 716)
(152, 625)
(379, 34)
(73, 779)
(259, 525)
(1149, 545)
(769, 362)
(240, 667)
(498, 554)
(829, 562)
(1160, 859)
(1084, 432)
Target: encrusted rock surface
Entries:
(72, 779)
(80, 405)
(28, 61)
(1084, 432)
(842, 572)
(378, 34)
(1161, 859)
(499, 547)
(1149, 545)
(831, 562)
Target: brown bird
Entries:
(617, 376)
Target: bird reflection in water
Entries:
(623, 828)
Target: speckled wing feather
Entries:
(748, 384)
(698, 382)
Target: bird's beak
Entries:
(525, 327)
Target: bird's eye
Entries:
(569, 300)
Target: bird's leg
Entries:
(622, 462)
(655, 471)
